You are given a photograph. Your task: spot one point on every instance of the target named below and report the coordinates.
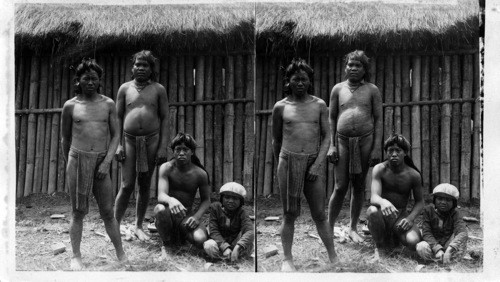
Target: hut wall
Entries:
(417, 103)
(197, 87)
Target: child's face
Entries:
(231, 202)
(443, 204)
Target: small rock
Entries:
(337, 232)
(270, 251)
(207, 265)
(362, 220)
(99, 233)
(29, 206)
(57, 216)
(252, 217)
(272, 218)
(365, 229)
(313, 235)
(467, 257)
(58, 248)
(419, 267)
(152, 228)
(470, 219)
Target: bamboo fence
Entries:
(432, 99)
(210, 97)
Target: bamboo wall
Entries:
(433, 100)
(210, 97)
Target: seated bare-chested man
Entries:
(356, 127)
(392, 182)
(179, 180)
(87, 121)
(142, 108)
(300, 142)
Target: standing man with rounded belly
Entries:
(142, 108)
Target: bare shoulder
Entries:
(279, 106)
(108, 101)
(372, 87)
(69, 103)
(413, 174)
(125, 86)
(167, 167)
(379, 168)
(338, 86)
(319, 101)
(200, 173)
(158, 86)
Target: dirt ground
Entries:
(310, 254)
(36, 233)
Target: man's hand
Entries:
(161, 156)
(176, 207)
(313, 172)
(191, 223)
(120, 154)
(103, 170)
(374, 158)
(447, 255)
(227, 253)
(236, 253)
(332, 155)
(405, 224)
(388, 208)
(439, 255)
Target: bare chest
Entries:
(145, 98)
(301, 113)
(90, 112)
(360, 98)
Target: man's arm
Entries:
(204, 189)
(386, 207)
(163, 187)
(277, 129)
(417, 196)
(120, 112)
(113, 143)
(66, 127)
(316, 168)
(163, 107)
(376, 153)
(332, 154)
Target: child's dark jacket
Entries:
(438, 228)
(226, 227)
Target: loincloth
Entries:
(297, 166)
(141, 149)
(354, 151)
(87, 164)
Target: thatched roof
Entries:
(373, 26)
(77, 28)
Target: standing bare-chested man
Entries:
(356, 132)
(179, 180)
(300, 143)
(392, 182)
(87, 121)
(142, 107)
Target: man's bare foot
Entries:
(122, 258)
(378, 255)
(287, 266)
(139, 233)
(355, 237)
(76, 264)
(334, 260)
(164, 254)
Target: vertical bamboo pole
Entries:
(324, 95)
(31, 139)
(61, 164)
(189, 95)
(397, 93)
(379, 80)
(435, 122)
(21, 76)
(465, 162)
(368, 182)
(238, 141)
(339, 69)
(445, 122)
(229, 121)
(476, 145)
(218, 123)
(48, 129)
(249, 149)
(425, 118)
(114, 92)
(271, 99)
(279, 96)
(209, 118)
(199, 124)
(106, 62)
(258, 121)
(40, 130)
(263, 127)
(456, 86)
(316, 64)
(330, 168)
(55, 137)
(181, 116)
(389, 96)
(23, 129)
(172, 98)
(405, 97)
(415, 112)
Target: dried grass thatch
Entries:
(374, 26)
(71, 28)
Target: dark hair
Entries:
(85, 66)
(360, 56)
(148, 57)
(188, 140)
(400, 141)
(296, 66)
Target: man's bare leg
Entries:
(75, 234)
(287, 230)
(164, 226)
(128, 172)
(341, 171)
(377, 227)
(141, 207)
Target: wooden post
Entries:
(55, 137)
(116, 166)
(229, 122)
(269, 159)
(330, 167)
(65, 94)
(415, 113)
(21, 77)
(424, 125)
(456, 85)
(199, 124)
(48, 129)
(238, 141)
(263, 127)
(172, 97)
(249, 149)
(258, 121)
(476, 147)
(445, 122)
(218, 124)
(31, 139)
(435, 122)
(40, 130)
(465, 162)
(209, 118)
(397, 93)
(405, 97)
(23, 129)
(189, 95)
(388, 96)
(181, 95)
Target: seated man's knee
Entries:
(211, 248)
(161, 212)
(199, 237)
(372, 212)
